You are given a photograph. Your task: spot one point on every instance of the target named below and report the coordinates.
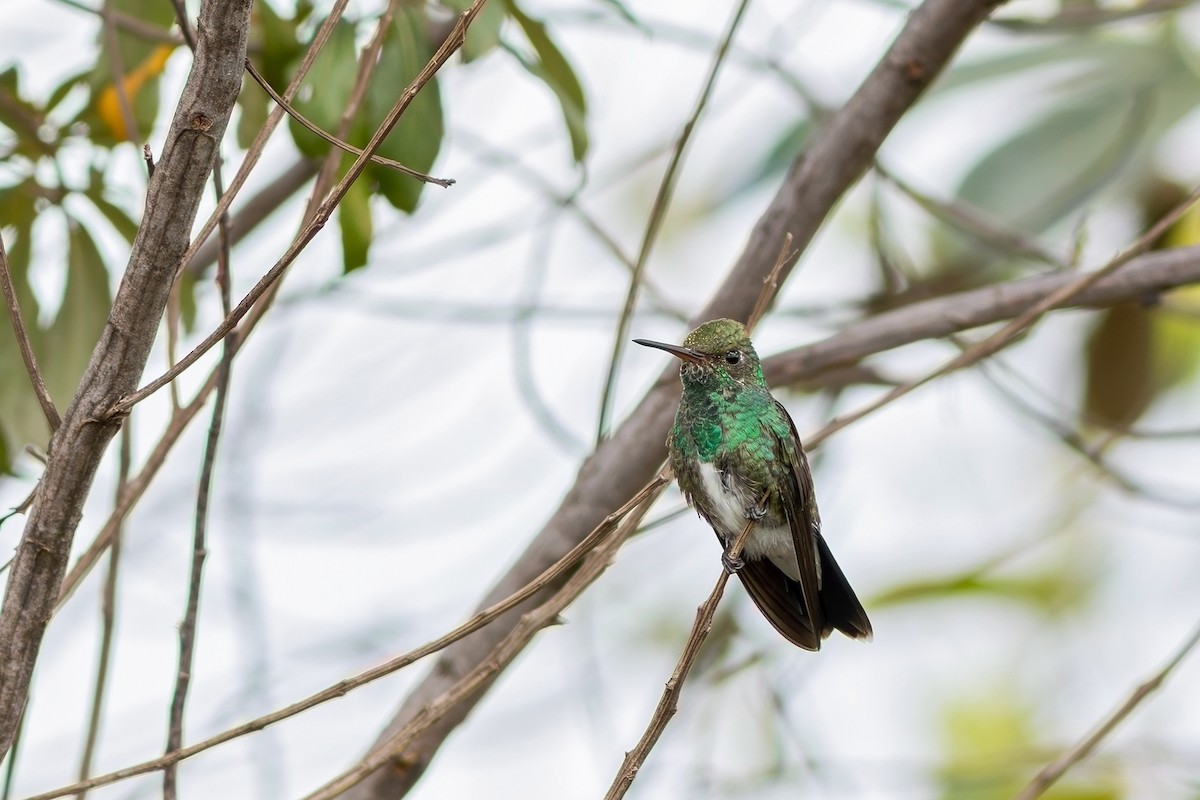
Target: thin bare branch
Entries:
(838, 155)
(172, 199)
(668, 704)
(658, 212)
(643, 498)
(187, 629)
(108, 614)
(335, 141)
(1052, 772)
(771, 283)
(443, 54)
(390, 750)
(1023, 320)
(26, 347)
(254, 153)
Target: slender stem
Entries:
(1052, 772)
(187, 630)
(481, 619)
(26, 347)
(108, 612)
(668, 704)
(658, 212)
(448, 48)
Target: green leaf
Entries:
(21, 418)
(1120, 381)
(354, 218)
(115, 215)
(142, 61)
(21, 117)
(187, 300)
(322, 96)
(72, 337)
(553, 69)
(417, 137)
(255, 108)
(484, 34)
(1041, 174)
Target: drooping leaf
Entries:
(21, 117)
(1119, 361)
(72, 336)
(21, 418)
(354, 219)
(417, 137)
(141, 60)
(116, 216)
(987, 737)
(322, 96)
(484, 34)
(552, 68)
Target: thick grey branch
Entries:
(1143, 277)
(838, 156)
(120, 356)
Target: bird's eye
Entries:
(733, 357)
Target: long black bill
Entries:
(685, 353)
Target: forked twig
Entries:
(317, 130)
(591, 542)
(668, 704)
(18, 326)
(1055, 770)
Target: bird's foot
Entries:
(731, 565)
(756, 513)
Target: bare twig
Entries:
(391, 750)
(1084, 748)
(187, 629)
(256, 209)
(1072, 18)
(1026, 318)
(172, 199)
(254, 153)
(771, 284)
(335, 141)
(18, 326)
(108, 612)
(974, 222)
(658, 212)
(642, 498)
(447, 49)
(668, 704)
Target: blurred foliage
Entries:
(118, 101)
(991, 754)
(1138, 351)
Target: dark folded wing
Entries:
(778, 598)
(800, 509)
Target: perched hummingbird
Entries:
(737, 457)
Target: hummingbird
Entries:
(737, 457)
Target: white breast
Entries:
(729, 510)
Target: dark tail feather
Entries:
(840, 605)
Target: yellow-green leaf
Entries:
(417, 137)
(555, 71)
(354, 218)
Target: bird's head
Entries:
(717, 352)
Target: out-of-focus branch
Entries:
(172, 199)
(23, 343)
(262, 205)
(1052, 772)
(838, 156)
(1143, 277)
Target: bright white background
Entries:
(381, 465)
